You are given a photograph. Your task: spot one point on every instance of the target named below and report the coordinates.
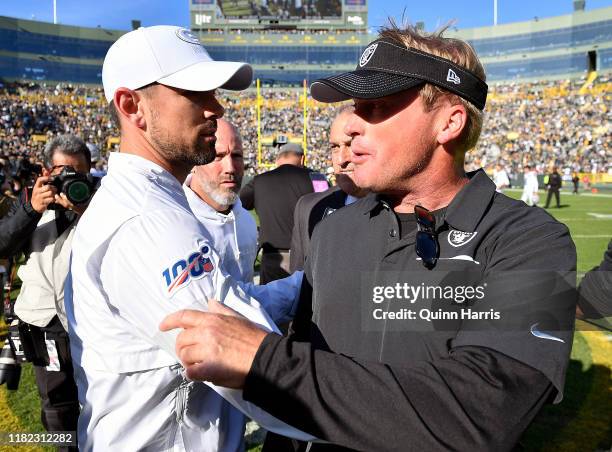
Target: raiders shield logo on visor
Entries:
(367, 54)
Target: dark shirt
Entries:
(274, 195)
(371, 384)
(554, 181)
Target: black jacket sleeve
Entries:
(373, 406)
(296, 257)
(16, 228)
(595, 290)
(247, 195)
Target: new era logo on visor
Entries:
(452, 77)
(187, 36)
(367, 55)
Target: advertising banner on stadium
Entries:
(265, 9)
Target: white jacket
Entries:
(234, 235)
(44, 274)
(530, 185)
(139, 254)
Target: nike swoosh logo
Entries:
(461, 257)
(542, 335)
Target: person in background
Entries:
(500, 178)
(575, 182)
(274, 195)
(314, 207)
(42, 227)
(530, 186)
(554, 184)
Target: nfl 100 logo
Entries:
(183, 271)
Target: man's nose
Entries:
(214, 111)
(229, 166)
(345, 155)
(353, 125)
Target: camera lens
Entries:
(78, 192)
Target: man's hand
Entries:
(216, 346)
(42, 194)
(63, 201)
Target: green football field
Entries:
(582, 422)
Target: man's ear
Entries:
(129, 106)
(453, 119)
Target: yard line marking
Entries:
(583, 219)
(590, 195)
(606, 216)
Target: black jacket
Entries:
(17, 227)
(358, 375)
(554, 181)
(274, 195)
(309, 210)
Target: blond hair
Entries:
(455, 50)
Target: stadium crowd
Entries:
(538, 124)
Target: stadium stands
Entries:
(545, 74)
(556, 47)
(525, 123)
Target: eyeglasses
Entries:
(426, 245)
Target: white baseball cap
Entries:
(172, 56)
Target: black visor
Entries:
(386, 68)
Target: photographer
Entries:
(41, 226)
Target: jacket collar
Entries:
(471, 203)
(465, 210)
(202, 209)
(129, 163)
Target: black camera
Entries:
(78, 187)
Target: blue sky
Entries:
(117, 14)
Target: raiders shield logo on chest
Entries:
(460, 238)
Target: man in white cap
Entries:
(140, 253)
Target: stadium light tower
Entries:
(55, 11)
(494, 12)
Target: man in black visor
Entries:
(435, 313)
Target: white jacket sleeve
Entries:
(180, 273)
